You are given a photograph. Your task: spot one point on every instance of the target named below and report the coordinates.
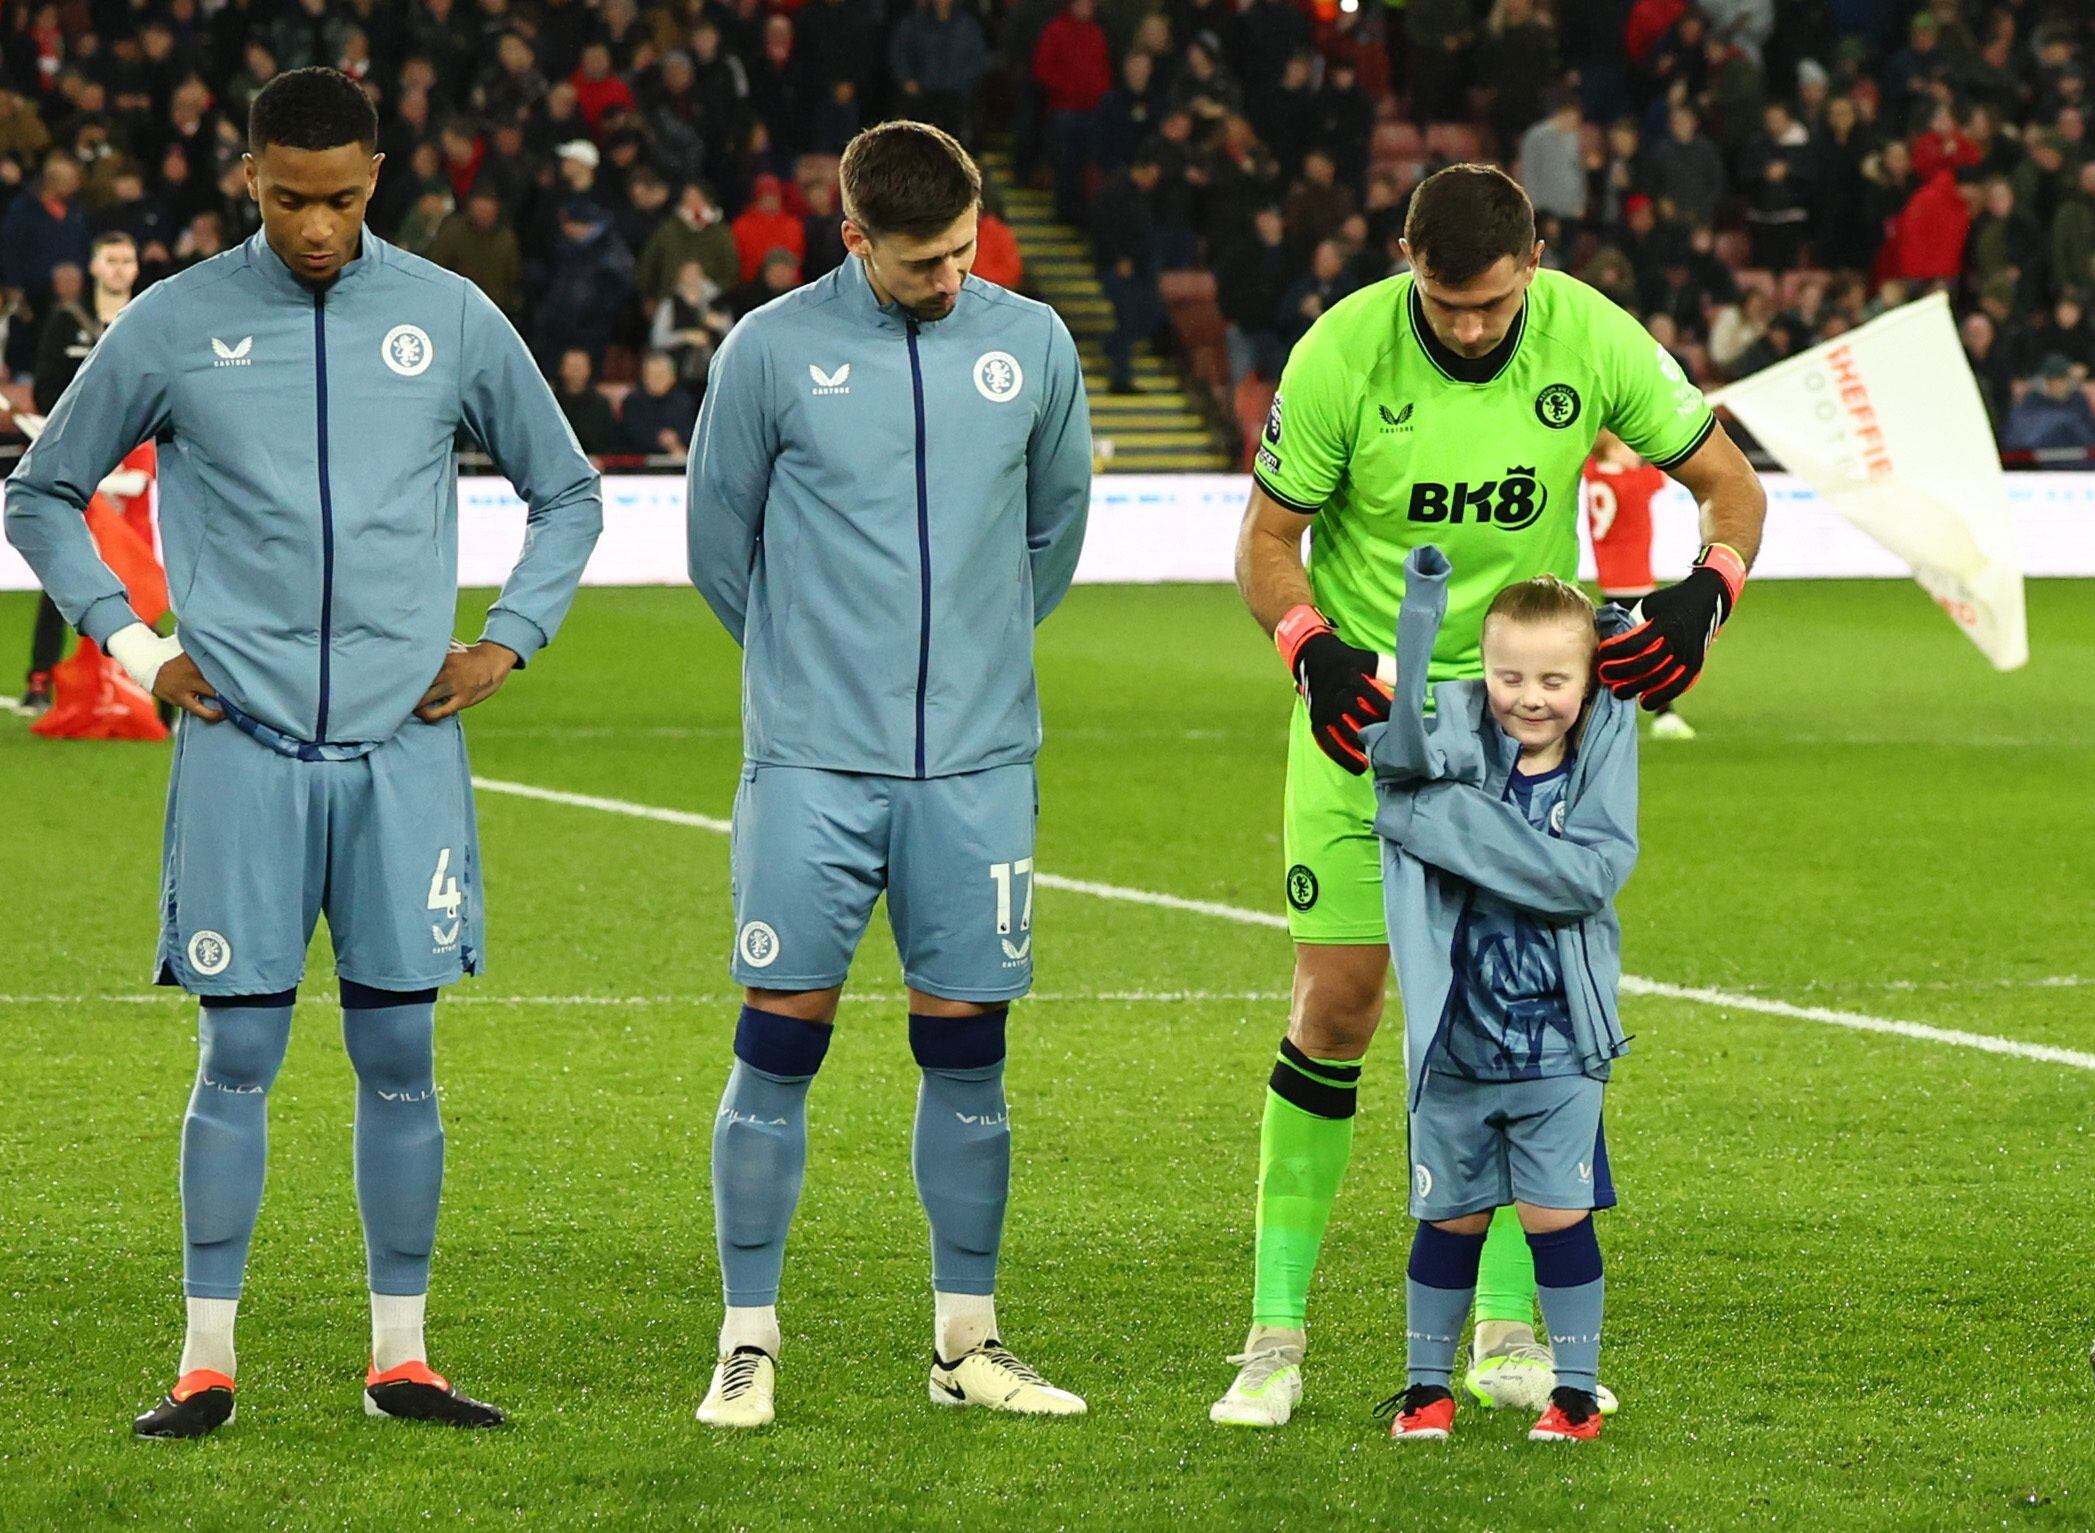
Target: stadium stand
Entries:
(1190, 184)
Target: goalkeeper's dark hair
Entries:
(907, 178)
(1463, 219)
(1544, 599)
(316, 108)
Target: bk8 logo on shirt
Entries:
(1511, 503)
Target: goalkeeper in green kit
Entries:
(1454, 405)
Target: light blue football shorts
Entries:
(1477, 1145)
(814, 849)
(261, 844)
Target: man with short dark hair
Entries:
(478, 243)
(888, 489)
(1124, 239)
(658, 414)
(69, 335)
(588, 412)
(1454, 404)
(306, 390)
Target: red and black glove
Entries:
(1337, 683)
(1662, 655)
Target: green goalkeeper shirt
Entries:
(1391, 440)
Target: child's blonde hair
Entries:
(1543, 599)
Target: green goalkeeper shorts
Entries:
(1334, 858)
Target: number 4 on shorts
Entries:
(444, 896)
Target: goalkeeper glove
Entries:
(1662, 654)
(1340, 685)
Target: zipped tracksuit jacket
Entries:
(881, 510)
(308, 480)
(309, 515)
(1439, 785)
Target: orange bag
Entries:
(93, 698)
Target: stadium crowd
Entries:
(626, 179)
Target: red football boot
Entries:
(1424, 1411)
(1573, 1417)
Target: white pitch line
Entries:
(721, 827)
(1631, 983)
(2040, 982)
(1861, 1022)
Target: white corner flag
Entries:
(1886, 424)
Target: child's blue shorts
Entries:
(1478, 1145)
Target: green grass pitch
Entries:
(1849, 1279)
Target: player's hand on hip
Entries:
(1673, 628)
(470, 674)
(1340, 685)
(182, 684)
(156, 663)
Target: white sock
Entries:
(209, 1340)
(962, 1321)
(750, 1325)
(396, 1329)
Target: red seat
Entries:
(1254, 399)
(1189, 285)
(1455, 141)
(1395, 141)
(1209, 363)
(1198, 323)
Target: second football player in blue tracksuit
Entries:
(888, 489)
(306, 389)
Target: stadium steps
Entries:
(1160, 429)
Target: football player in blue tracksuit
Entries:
(888, 488)
(306, 389)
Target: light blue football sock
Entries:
(391, 1038)
(1438, 1285)
(225, 1136)
(1568, 1278)
(961, 1152)
(760, 1149)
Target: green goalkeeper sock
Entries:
(1303, 1146)
(1506, 1276)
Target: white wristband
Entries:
(141, 652)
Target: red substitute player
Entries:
(1616, 488)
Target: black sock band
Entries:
(1327, 1090)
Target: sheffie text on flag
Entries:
(1886, 424)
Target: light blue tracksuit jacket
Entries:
(1440, 782)
(308, 480)
(880, 512)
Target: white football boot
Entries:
(1268, 1384)
(991, 1377)
(745, 1385)
(1519, 1375)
